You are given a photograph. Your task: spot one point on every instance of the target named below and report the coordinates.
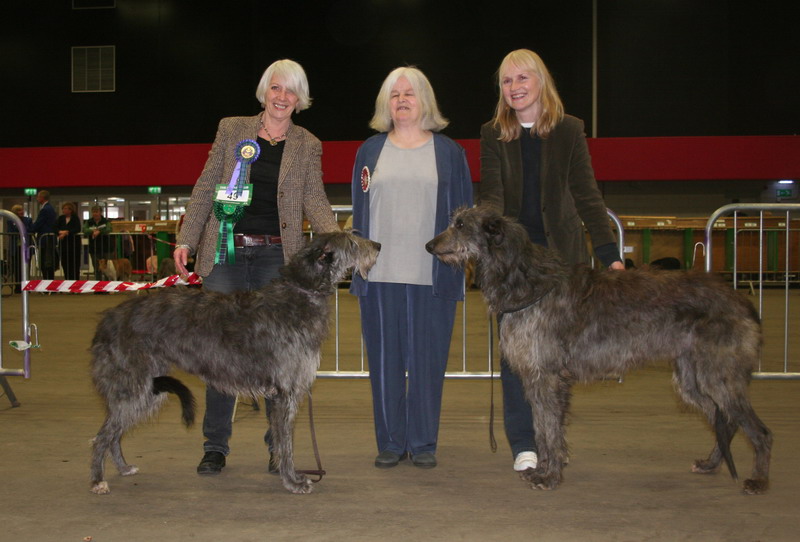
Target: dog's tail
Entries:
(724, 431)
(167, 384)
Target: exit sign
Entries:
(784, 192)
(153, 189)
(30, 191)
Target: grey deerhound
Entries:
(262, 343)
(563, 324)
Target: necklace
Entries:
(274, 140)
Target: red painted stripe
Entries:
(614, 159)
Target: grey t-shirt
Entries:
(402, 213)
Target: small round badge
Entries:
(247, 151)
(365, 179)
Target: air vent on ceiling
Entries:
(93, 4)
(93, 69)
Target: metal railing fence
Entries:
(768, 250)
(472, 346)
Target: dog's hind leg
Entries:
(108, 441)
(284, 406)
(121, 417)
(761, 439)
(685, 381)
(549, 395)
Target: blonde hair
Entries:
(430, 117)
(70, 205)
(17, 207)
(552, 110)
(294, 78)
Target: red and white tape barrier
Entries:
(92, 286)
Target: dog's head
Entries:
(471, 235)
(329, 258)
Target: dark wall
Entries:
(667, 67)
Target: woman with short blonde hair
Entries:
(68, 226)
(294, 77)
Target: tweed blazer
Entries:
(300, 190)
(570, 198)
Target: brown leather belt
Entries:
(251, 240)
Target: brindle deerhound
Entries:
(562, 325)
(262, 343)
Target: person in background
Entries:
(280, 176)
(15, 259)
(407, 180)
(68, 226)
(96, 230)
(45, 228)
(535, 167)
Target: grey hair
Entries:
(294, 77)
(431, 118)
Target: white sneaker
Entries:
(525, 461)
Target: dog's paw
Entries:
(129, 470)
(755, 487)
(540, 480)
(101, 488)
(704, 466)
(301, 485)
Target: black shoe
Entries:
(387, 459)
(425, 460)
(272, 467)
(211, 463)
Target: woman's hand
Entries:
(181, 257)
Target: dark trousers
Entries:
(48, 258)
(406, 329)
(517, 413)
(254, 268)
(70, 251)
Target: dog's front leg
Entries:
(284, 408)
(549, 396)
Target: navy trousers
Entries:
(406, 330)
(254, 268)
(517, 413)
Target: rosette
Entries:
(365, 179)
(247, 152)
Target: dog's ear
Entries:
(495, 229)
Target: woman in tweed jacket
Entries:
(286, 179)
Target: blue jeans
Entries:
(406, 328)
(255, 267)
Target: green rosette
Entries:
(228, 215)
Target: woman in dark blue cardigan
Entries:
(407, 181)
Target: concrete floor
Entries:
(629, 478)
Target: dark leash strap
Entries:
(319, 472)
(492, 440)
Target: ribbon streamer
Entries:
(92, 286)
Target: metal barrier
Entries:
(771, 250)
(471, 364)
(25, 344)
